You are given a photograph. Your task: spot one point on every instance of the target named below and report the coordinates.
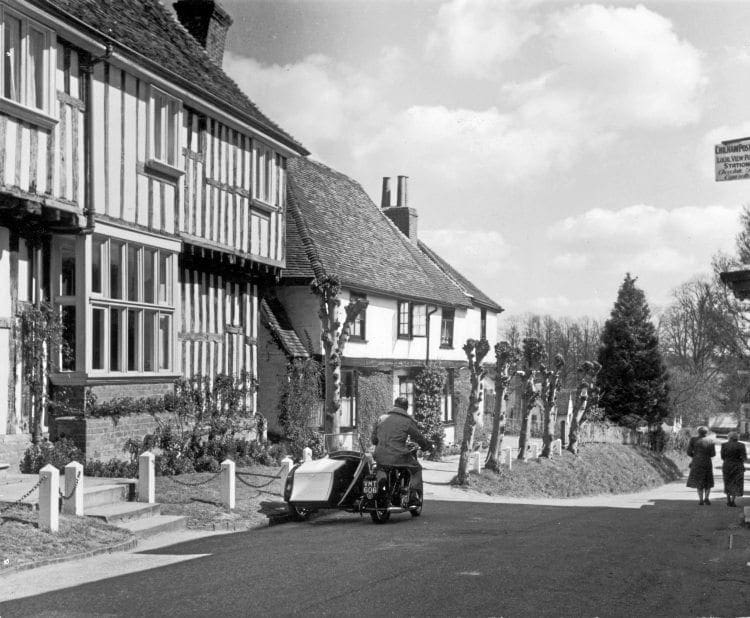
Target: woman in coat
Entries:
(701, 449)
(734, 456)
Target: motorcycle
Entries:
(350, 480)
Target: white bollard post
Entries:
(307, 454)
(534, 451)
(286, 465)
(227, 484)
(477, 462)
(146, 478)
(509, 458)
(73, 494)
(49, 498)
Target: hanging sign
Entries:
(732, 159)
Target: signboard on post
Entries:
(732, 159)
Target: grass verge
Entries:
(598, 469)
(22, 542)
(201, 501)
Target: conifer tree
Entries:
(633, 377)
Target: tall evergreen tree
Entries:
(633, 377)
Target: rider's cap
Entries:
(401, 402)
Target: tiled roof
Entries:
(147, 32)
(335, 226)
(274, 316)
(479, 297)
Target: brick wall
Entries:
(12, 448)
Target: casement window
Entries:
(358, 326)
(26, 61)
(406, 389)
(132, 309)
(446, 399)
(164, 114)
(483, 324)
(446, 328)
(268, 169)
(348, 411)
(64, 289)
(412, 320)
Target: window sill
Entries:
(162, 170)
(353, 339)
(446, 346)
(27, 114)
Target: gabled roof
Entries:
(479, 297)
(334, 228)
(147, 32)
(274, 316)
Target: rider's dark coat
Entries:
(389, 437)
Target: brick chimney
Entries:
(208, 23)
(404, 217)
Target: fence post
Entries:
(534, 451)
(307, 454)
(146, 478)
(286, 465)
(73, 496)
(49, 498)
(227, 484)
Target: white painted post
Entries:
(534, 451)
(477, 462)
(49, 498)
(509, 458)
(146, 478)
(286, 465)
(227, 484)
(307, 454)
(73, 503)
(557, 446)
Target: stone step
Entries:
(151, 526)
(118, 512)
(97, 495)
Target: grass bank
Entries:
(598, 469)
(23, 543)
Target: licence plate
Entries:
(370, 487)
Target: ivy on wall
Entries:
(374, 398)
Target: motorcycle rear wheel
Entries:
(298, 513)
(417, 498)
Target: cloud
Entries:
(474, 37)
(645, 239)
(475, 254)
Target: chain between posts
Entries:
(26, 495)
(72, 491)
(239, 476)
(198, 484)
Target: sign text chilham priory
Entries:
(733, 159)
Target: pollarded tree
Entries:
(533, 357)
(586, 400)
(550, 386)
(334, 336)
(633, 377)
(428, 392)
(475, 352)
(506, 357)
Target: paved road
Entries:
(460, 558)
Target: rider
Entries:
(389, 437)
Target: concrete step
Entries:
(118, 512)
(151, 526)
(97, 495)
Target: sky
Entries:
(551, 147)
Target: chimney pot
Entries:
(401, 195)
(385, 201)
(208, 24)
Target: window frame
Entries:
(64, 299)
(403, 319)
(20, 107)
(358, 331)
(156, 309)
(447, 409)
(348, 379)
(416, 322)
(406, 389)
(448, 316)
(173, 107)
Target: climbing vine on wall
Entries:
(429, 383)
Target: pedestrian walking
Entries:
(701, 448)
(733, 456)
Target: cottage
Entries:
(142, 195)
(419, 308)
